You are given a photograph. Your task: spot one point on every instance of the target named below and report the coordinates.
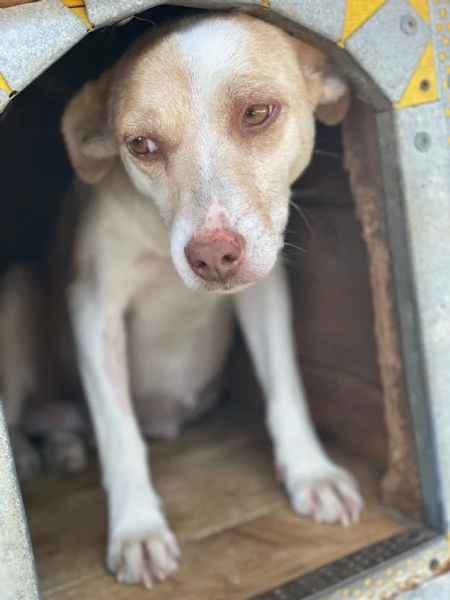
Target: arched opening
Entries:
(336, 279)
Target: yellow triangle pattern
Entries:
(422, 8)
(357, 12)
(422, 86)
(5, 86)
(78, 7)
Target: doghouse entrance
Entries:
(238, 536)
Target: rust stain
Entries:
(408, 586)
(400, 487)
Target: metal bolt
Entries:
(434, 564)
(425, 85)
(408, 24)
(422, 141)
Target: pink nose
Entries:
(216, 255)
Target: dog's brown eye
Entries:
(257, 114)
(142, 146)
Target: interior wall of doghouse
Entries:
(401, 487)
(337, 255)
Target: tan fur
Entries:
(20, 361)
(20, 320)
(80, 134)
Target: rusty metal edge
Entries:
(383, 570)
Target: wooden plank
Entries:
(237, 533)
(244, 561)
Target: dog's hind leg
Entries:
(19, 310)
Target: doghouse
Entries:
(369, 260)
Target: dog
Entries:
(184, 153)
(20, 306)
(29, 388)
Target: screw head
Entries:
(422, 141)
(408, 24)
(434, 564)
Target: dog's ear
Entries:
(329, 91)
(89, 143)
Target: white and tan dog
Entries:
(185, 152)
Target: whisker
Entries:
(289, 245)
(296, 207)
(307, 214)
(327, 153)
(145, 20)
(303, 214)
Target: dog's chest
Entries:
(177, 338)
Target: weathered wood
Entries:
(401, 484)
(237, 533)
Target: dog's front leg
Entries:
(316, 486)
(141, 547)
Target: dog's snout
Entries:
(216, 255)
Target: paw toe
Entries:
(328, 497)
(145, 559)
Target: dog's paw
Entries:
(327, 494)
(145, 557)
(64, 453)
(26, 457)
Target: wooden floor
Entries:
(237, 534)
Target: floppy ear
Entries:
(85, 129)
(329, 91)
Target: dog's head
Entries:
(213, 120)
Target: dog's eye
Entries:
(141, 146)
(257, 114)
